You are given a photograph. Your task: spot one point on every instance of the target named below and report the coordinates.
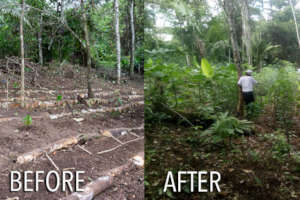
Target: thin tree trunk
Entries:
(22, 57)
(187, 59)
(229, 56)
(262, 9)
(132, 39)
(88, 51)
(41, 41)
(228, 6)
(117, 33)
(246, 30)
(295, 21)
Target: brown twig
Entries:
(82, 148)
(116, 147)
(52, 162)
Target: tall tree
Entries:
(295, 21)
(132, 50)
(22, 54)
(87, 49)
(118, 43)
(40, 39)
(229, 8)
(246, 29)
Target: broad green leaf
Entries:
(206, 68)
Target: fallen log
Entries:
(89, 111)
(32, 155)
(105, 181)
(101, 110)
(37, 103)
(65, 91)
(61, 144)
(54, 97)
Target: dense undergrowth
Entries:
(191, 124)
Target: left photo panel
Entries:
(71, 99)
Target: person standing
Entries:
(247, 84)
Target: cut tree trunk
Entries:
(295, 21)
(88, 50)
(228, 6)
(132, 50)
(246, 30)
(118, 43)
(22, 56)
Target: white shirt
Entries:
(247, 83)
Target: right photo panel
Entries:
(222, 99)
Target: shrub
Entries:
(226, 127)
(280, 146)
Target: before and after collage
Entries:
(149, 99)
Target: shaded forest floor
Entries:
(114, 106)
(250, 169)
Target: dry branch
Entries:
(82, 148)
(52, 162)
(116, 147)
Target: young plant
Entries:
(120, 101)
(27, 120)
(16, 85)
(226, 127)
(59, 97)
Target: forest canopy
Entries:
(58, 25)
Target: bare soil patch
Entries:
(17, 139)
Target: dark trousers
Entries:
(248, 97)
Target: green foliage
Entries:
(187, 89)
(120, 102)
(254, 109)
(280, 146)
(16, 85)
(279, 87)
(206, 68)
(59, 97)
(226, 127)
(285, 96)
(27, 120)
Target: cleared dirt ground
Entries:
(115, 107)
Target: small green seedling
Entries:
(28, 120)
(120, 101)
(15, 85)
(59, 97)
